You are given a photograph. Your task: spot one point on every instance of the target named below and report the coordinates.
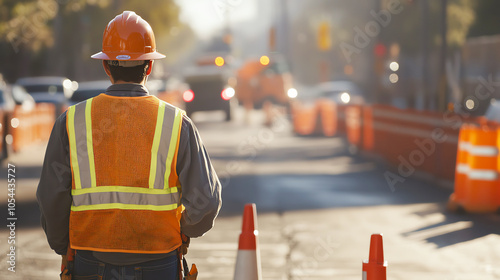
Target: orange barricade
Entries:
(45, 121)
(328, 115)
(477, 183)
(462, 166)
(368, 133)
(31, 125)
(354, 121)
(341, 119)
(304, 119)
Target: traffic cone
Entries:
(248, 259)
(375, 267)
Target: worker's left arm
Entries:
(201, 188)
(54, 189)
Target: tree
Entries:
(487, 21)
(57, 37)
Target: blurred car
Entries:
(319, 110)
(341, 92)
(53, 90)
(208, 90)
(88, 90)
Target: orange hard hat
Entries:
(128, 37)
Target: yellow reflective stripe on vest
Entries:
(163, 150)
(124, 207)
(156, 145)
(176, 130)
(72, 144)
(81, 146)
(118, 197)
(90, 143)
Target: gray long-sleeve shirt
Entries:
(201, 189)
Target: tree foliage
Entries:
(56, 37)
(487, 21)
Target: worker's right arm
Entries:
(201, 188)
(54, 188)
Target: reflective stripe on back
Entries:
(90, 143)
(160, 165)
(176, 129)
(79, 134)
(114, 197)
(72, 147)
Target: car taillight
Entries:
(188, 96)
(228, 93)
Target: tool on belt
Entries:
(67, 265)
(184, 272)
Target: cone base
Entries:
(247, 265)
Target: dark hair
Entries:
(128, 74)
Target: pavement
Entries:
(317, 206)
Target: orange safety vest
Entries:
(126, 193)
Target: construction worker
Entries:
(125, 173)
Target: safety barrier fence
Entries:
(420, 140)
(29, 126)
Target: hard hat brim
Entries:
(128, 56)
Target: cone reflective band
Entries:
(248, 259)
(375, 267)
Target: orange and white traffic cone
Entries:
(375, 267)
(248, 265)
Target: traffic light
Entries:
(219, 61)
(324, 36)
(264, 60)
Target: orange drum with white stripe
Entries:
(477, 179)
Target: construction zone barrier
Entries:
(324, 117)
(31, 125)
(248, 266)
(375, 268)
(303, 118)
(477, 166)
(410, 139)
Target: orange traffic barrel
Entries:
(457, 198)
(328, 114)
(482, 180)
(354, 125)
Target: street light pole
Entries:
(443, 81)
(425, 101)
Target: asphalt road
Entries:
(317, 207)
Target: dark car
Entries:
(53, 90)
(208, 90)
(88, 90)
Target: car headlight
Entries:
(292, 93)
(345, 97)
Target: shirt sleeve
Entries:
(201, 189)
(54, 189)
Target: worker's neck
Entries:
(123, 82)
